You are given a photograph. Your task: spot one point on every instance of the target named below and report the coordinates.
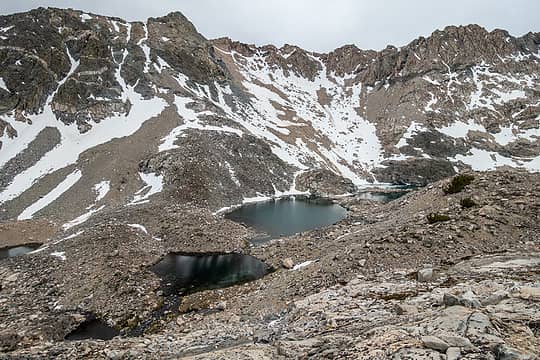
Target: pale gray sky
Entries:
(318, 25)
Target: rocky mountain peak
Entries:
(175, 39)
(177, 26)
(458, 99)
(348, 59)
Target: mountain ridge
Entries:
(446, 29)
(462, 98)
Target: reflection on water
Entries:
(182, 273)
(17, 250)
(283, 217)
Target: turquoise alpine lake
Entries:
(287, 216)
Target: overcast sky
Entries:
(317, 25)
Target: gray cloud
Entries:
(319, 25)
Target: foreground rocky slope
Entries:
(90, 102)
(383, 283)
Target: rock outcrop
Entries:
(324, 183)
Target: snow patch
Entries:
(45, 247)
(81, 219)
(85, 17)
(460, 129)
(483, 160)
(138, 227)
(508, 96)
(7, 28)
(255, 199)
(102, 189)
(3, 85)
(191, 121)
(431, 102)
(302, 265)
(54, 194)
(59, 254)
(154, 185)
(413, 129)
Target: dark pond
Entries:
(287, 216)
(93, 329)
(182, 274)
(17, 250)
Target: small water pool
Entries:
(287, 216)
(93, 328)
(183, 274)
(9, 252)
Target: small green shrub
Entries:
(458, 183)
(435, 218)
(467, 203)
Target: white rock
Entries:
(453, 353)
(287, 263)
(425, 275)
(433, 342)
(530, 293)
(12, 278)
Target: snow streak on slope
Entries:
(81, 219)
(144, 47)
(73, 143)
(69, 237)
(3, 85)
(138, 227)
(54, 194)
(191, 121)
(101, 189)
(286, 110)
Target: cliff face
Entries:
(100, 97)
